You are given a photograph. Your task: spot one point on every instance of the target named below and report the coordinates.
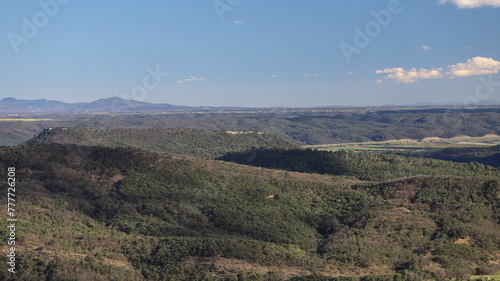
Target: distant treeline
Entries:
(485, 155)
(303, 127)
(365, 166)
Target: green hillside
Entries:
(194, 142)
(97, 213)
(485, 155)
(365, 166)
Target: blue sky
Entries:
(251, 53)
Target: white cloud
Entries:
(350, 73)
(379, 81)
(469, 4)
(313, 75)
(272, 76)
(400, 75)
(238, 22)
(474, 66)
(426, 48)
(191, 79)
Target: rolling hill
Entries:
(365, 166)
(484, 155)
(98, 213)
(194, 142)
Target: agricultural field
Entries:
(414, 145)
(22, 119)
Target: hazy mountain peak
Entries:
(13, 105)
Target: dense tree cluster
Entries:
(365, 166)
(128, 214)
(485, 155)
(193, 142)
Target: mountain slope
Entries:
(127, 214)
(366, 166)
(194, 142)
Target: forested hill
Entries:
(485, 155)
(97, 213)
(193, 142)
(365, 166)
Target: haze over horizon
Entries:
(42, 105)
(252, 54)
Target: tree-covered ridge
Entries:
(365, 166)
(194, 142)
(485, 155)
(127, 214)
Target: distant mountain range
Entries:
(454, 104)
(115, 104)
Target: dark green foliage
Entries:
(323, 278)
(362, 165)
(464, 213)
(172, 251)
(194, 142)
(395, 277)
(174, 217)
(485, 155)
(36, 269)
